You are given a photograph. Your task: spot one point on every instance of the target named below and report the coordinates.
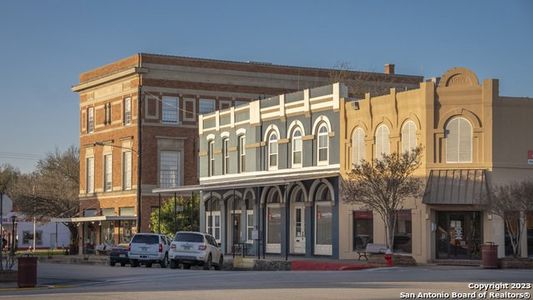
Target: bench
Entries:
(371, 249)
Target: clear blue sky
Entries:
(44, 45)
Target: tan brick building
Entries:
(155, 143)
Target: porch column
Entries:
(284, 228)
(244, 222)
(309, 229)
(223, 226)
(202, 214)
(335, 220)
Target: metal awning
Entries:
(253, 180)
(93, 219)
(456, 186)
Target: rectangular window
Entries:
(274, 225)
(190, 112)
(225, 156)
(242, 153)
(107, 115)
(90, 174)
(249, 226)
(363, 229)
(403, 231)
(127, 111)
(169, 162)
(224, 104)
(27, 237)
(207, 106)
(108, 172)
(126, 170)
(108, 211)
(210, 159)
(90, 119)
(324, 216)
(170, 110)
(213, 224)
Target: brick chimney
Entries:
(389, 69)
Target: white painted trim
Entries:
(210, 137)
(241, 131)
(328, 130)
(319, 120)
(296, 123)
(321, 249)
(271, 127)
(224, 134)
(272, 248)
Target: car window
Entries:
(189, 237)
(212, 240)
(145, 239)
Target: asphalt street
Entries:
(64, 281)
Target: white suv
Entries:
(149, 248)
(195, 248)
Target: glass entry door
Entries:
(299, 228)
(458, 235)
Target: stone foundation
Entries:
(516, 263)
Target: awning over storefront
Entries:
(253, 180)
(457, 186)
(93, 219)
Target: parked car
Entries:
(195, 248)
(149, 248)
(119, 254)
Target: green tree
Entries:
(177, 214)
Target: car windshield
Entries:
(189, 237)
(145, 239)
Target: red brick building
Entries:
(123, 144)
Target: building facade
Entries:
(139, 125)
(270, 170)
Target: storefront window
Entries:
(274, 225)
(530, 234)
(403, 231)
(323, 224)
(363, 229)
(107, 230)
(126, 231)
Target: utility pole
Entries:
(1, 230)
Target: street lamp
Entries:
(13, 239)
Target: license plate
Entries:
(187, 247)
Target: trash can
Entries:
(27, 271)
(489, 256)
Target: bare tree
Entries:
(382, 186)
(509, 202)
(52, 189)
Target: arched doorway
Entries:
(273, 221)
(297, 235)
(323, 219)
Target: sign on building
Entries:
(530, 157)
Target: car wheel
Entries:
(173, 264)
(220, 263)
(186, 266)
(134, 263)
(208, 263)
(164, 262)
(122, 264)
(111, 263)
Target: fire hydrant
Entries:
(388, 258)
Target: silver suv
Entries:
(195, 248)
(149, 248)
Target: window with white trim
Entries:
(225, 156)
(213, 224)
(210, 158)
(126, 170)
(458, 135)
(358, 146)
(323, 144)
(408, 136)
(297, 148)
(242, 153)
(169, 166)
(90, 119)
(170, 110)
(127, 111)
(90, 174)
(206, 106)
(273, 151)
(249, 225)
(108, 172)
(382, 141)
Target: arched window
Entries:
(408, 136)
(210, 158)
(323, 144)
(382, 141)
(242, 153)
(458, 135)
(273, 151)
(225, 156)
(297, 148)
(358, 146)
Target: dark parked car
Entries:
(119, 255)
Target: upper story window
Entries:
(108, 172)
(242, 153)
(107, 113)
(90, 119)
(90, 174)
(382, 141)
(225, 156)
(323, 144)
(170, 110)
(127, 111)
(297, 148)
(273, 151)
(126, 170)
(169, 166)
(210, 158)
(408, 136)
(358, 146)
(207, 106)
(458, 135)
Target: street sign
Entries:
(530, 157)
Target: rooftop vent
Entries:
(389, 69)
